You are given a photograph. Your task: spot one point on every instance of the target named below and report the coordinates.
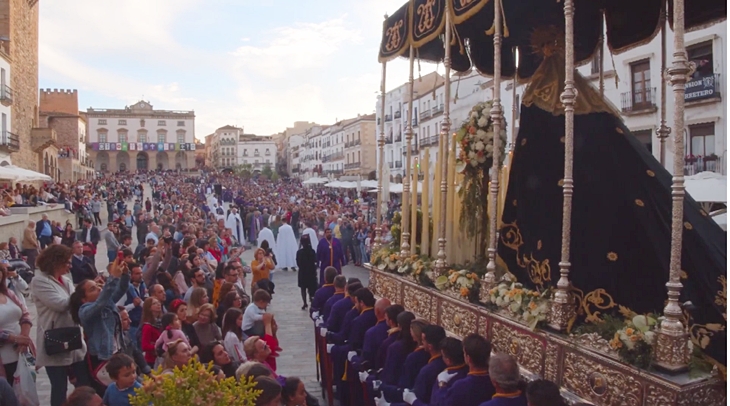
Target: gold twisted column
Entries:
(671, 351)
(561, 309)
(496, 114)
(441, 265)
(405, 247)
(381, 166)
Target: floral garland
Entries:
(385, 259)
(464, 284)
(527, 305)
(419, 267)
(475, 139)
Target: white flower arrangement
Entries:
(527, 305)
(460, 282)
(640, 328)
(476, 137)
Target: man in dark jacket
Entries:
(82, 267)
(90, 234)
(348, 232)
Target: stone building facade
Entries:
(19, 24)
(360, 146)
(59, 110)
(138, 137)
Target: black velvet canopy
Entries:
(620, 239)
(629, 23)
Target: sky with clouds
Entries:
(258, 64)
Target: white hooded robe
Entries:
(286, 247)
(234, 222)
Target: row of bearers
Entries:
(373, 353)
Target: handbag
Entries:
(64, 339)
(24, 381)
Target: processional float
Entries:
(619, 247)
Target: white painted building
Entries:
(257, 151)
(296, 153)
(312, 165)
(224, 146)
(634, 87)
(9, 142)
(140, 137)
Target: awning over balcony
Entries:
(707, 187)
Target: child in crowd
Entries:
(171, 331)
(122, 370)
(253, 317)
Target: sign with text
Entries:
(700, 88)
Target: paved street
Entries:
(295, 335)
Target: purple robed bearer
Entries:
(329, 253)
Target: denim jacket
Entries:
(100, 319)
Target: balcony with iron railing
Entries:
(10, 142)
(357, 141)
(437, 110)
(334, 172)
(399, 137)
(415, 121)
(6, 95)
(425, 114)
(389, 139)
(390, 165)
(388, 117)
(397, 114)
(352, 165)
(711, 163)
(398, 164)
(641, 101)
(703, 88)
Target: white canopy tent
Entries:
(315, 181)
(397, 188)
(707, 187)
(721, 219)
(18, 174)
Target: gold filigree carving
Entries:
(619, 130)
(514, 202)
(388, 288)
(417, 301)
(458, 319)
(551, 362)
(598, 299)
(526, 348)
(701, 334)
(639, 202)
(682, 274)
(561, 182)
(426, 16)
(705, 395)
(659, 396)
(650, 173)
(601, 384)
(721, 297)
(523, 142)
(537, 270)
(612, 256)
(671, 351)
(393, 36)
(688, 225)
(562, 140)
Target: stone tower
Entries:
(59, 101)
(19, 32)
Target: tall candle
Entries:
(414, 208)
(436, 203)
(450, 202)
(424, 201)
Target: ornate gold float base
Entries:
(580, 367)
